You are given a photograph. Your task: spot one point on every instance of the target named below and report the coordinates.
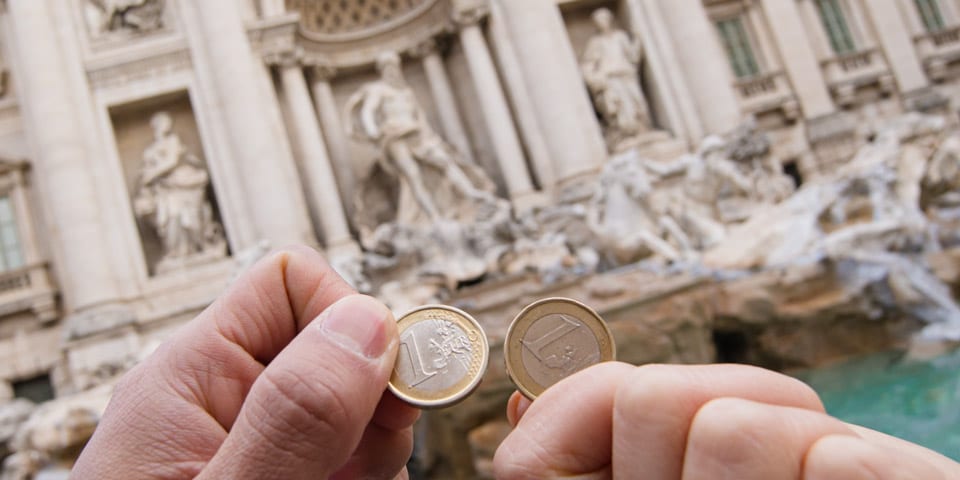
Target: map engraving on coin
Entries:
(552, 339)
(442, 356)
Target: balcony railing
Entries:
(938, 49)
(767, 92)
(848, 73)
(28, 288)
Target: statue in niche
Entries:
(386, 113)
(129, 15)
(171, 197)
(610, 68)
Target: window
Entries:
(739, 50)
(835, 22)
(930, 14)
(11, 255)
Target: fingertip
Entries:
(517, 405)
(362, 324)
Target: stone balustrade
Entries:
(28, 289)
(938, 50)
(847, 74)
(767, 92)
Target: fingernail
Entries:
(358, 322)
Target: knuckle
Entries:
(646, 386)
(729, 429)
(520, 456)
(311, 410)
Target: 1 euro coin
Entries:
(552, 339)
(442, 356)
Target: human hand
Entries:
(282, 377)
(663, 422)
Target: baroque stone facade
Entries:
(766, 181)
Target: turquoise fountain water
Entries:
(914, 400)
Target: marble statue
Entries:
(610, 66)
(624, 218)
(864, 224)
(129, 15)
(172, 197)
(429, 219)
(386, 113)
(712, 192)
(940, 197)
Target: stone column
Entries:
(241, 98)
(644, 19)
(62, 157)
(897, 45)
(512, 72)
(496, 113)
(333, 132)
(799, 59)
(704, 64)
(314, 163)
(443, 98)
(555, 85)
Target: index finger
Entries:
(225, 348)
(614, 417)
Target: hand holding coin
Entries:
(552, 339)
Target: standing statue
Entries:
(171, 196)
(610, 68)
(386, 113)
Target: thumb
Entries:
(307, 411)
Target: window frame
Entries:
(747, 40)
(932, 18)
(847, 43)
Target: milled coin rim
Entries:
(513, 347)
(464, 391)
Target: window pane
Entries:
(739, 49)
(6, 213)
(835, 23)
(930, 13)
(14, 259)
(11, 255)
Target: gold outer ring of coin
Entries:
(477, 366)
(513, 346)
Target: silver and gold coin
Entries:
(442, 356)
(552, 339)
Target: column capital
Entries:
(321, 70)
(284, 58)
(469, 13)
(424, 49)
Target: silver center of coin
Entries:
(434, 355)
(557, 345)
